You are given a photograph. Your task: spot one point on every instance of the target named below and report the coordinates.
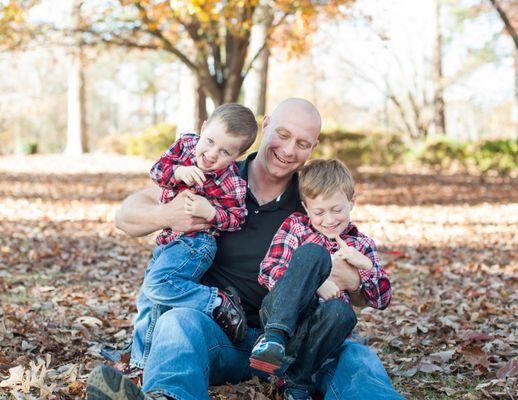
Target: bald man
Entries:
(189, 351)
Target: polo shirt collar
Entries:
(288, 200)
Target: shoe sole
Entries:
(106, 383)
(264, 366)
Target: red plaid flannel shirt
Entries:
(296, 231)
(225, 190)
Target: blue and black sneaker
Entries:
(267, 355)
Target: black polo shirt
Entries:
(240, 253)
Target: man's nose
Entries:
(289, 148)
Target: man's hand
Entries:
(328, 290)
(199, 206)
(189, 175)
(352, 256)
(343, 274)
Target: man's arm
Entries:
(141, 214)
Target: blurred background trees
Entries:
(394, 80)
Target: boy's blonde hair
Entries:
(325, 177)
(238, 120)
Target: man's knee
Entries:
(180, 319)
(339, 314)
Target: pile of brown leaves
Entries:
(68, 280)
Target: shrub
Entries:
(152, 142)
(442, 153)
(499, 155)
(355, 149)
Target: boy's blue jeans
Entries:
(316, 328)
(171, 280)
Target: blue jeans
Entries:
(316, 328)
(191, 352)
(171, 280)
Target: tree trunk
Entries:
(439, 120)
(258, 75)
(515, 105)
(200, 110)
(77, 138)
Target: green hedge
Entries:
(357, 149)
(150, 143)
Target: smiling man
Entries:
(189, 351)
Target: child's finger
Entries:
(197, 178)
(340, 242)
(200, 173)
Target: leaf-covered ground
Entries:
(68, 278)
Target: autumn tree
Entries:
(212, 38)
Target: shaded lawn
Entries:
(68, 280)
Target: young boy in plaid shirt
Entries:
(203, 166)
(297, 284)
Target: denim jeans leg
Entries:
(357, 374)
(189, 351)
(294, 292)
(171, 280)
(317, 339)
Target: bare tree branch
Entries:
(505, 19)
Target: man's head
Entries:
(228, 133)
(327, 191)
(289, 135)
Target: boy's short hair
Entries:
(325, 177)
(239, 121)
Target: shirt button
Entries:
(256, 211)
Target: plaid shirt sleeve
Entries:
(162, 173)
(280, 252)
(375, 284)
(230, 206)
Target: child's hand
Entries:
(189, 175)
(352, 256)
(328, 290)
(199, 206)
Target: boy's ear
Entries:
(305, 207)
(353, 201)
(203, 126)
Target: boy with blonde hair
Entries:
(327, 192)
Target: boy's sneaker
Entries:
(230, 316)
(108, 383)
(267, 355)
(291, 393)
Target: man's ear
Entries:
(266, 122)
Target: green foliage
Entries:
(355, 149)
(442, 153)
(496, 155)
(150, 143)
